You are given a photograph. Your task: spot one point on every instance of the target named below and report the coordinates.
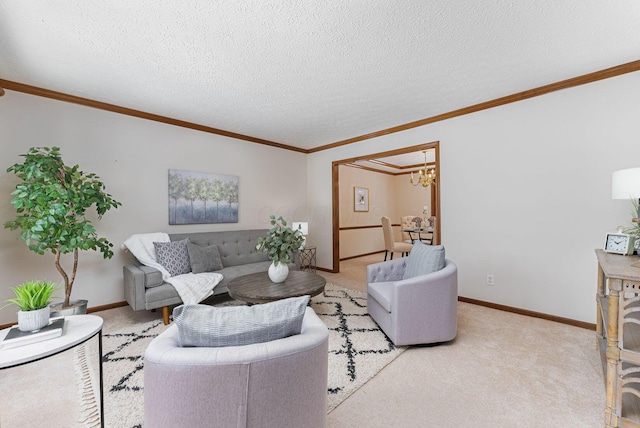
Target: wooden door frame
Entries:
(335, 192)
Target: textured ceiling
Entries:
(309, 73)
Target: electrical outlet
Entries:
(490, 279)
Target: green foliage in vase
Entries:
(281, 241)
(33, 295)
(51, 203)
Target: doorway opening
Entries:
(335, 191)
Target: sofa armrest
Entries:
(391, 270)
(134, 286)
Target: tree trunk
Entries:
(68, 282)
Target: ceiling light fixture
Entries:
(426, 176)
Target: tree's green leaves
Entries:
(51, 201)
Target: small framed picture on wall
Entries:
(360, 199)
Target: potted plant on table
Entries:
(51, 204)
(280, 244)
(33, 298)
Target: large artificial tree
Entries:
(51, 204)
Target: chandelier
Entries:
(426, 176)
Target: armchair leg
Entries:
(165, 315)
(385, 255)
(391, 256)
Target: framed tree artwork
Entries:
(201, 197)
(360, 199)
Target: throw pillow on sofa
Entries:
(173, 256)
(210, 326)
(204, 259)
(424, 259)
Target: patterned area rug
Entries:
(357, 351)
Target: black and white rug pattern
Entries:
(123, 365)
(358, 349)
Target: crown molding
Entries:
(59, 96)
(607, 73)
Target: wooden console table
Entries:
(618, 331)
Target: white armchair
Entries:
(418, 310)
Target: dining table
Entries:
(419, 231)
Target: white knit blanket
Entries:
(191, 287)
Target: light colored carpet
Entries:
(502, 370)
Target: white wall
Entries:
(411, 200)
(382, 202)
(525, 188)
(525, 192)
(132, 157)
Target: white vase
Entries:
(278, 273)
(33, 320)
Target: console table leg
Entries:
(602, 281)
(613, 355)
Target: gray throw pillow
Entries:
(424, 259)
(210, 326)
(204, 259)
(173, 256)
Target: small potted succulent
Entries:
(280, 244)
(33, 299)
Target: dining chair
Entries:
(406, 222)
(429, 239)
(424, 236)
(390, 245)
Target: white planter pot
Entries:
(278, 273)
(33, 320)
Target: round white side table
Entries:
(77, 330)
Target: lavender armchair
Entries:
(416, 310)
(282, 383)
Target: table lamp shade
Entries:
(625, 184)
(304, 226)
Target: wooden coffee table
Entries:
(258, 288)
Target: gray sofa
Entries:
(144, 288)
(282, 383)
